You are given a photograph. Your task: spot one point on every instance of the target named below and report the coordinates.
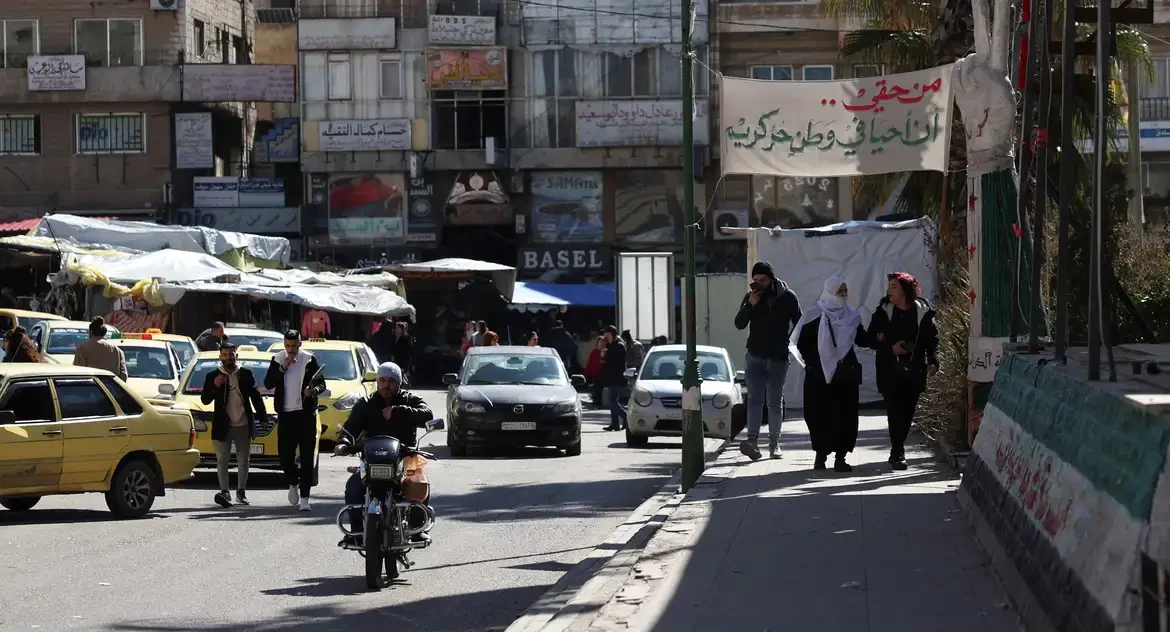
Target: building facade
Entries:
(88, 98)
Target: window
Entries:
(152, 363)
(6, 323)
(861, 71)
(111, 133)
(193, 384)
(771, 73)
(20, 134)
(462, 119)
(113, 42)
(30, 400)
(668, 365)
(126, 401)
(200, 39)
(339, 88)
(82, 398)
(391, 78)
(337, 364)
(529, 368)
(18, 40)
(238, 49)
(817, 73)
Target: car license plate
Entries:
(671, 416)
(255, 448)
(517, 425)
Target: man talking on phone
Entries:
(769, 312)
(237, 405)
(297, 380)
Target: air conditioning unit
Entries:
(729, 219)
(164, 5)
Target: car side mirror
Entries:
(435, 424)
(577, 380)
(450, 379)
(166, 389)
(326, 393)
(370, 376)
(740, 377)
(7, 417)
(631, 373)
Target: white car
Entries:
(656, 400)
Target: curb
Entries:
(611, 559)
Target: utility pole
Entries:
(692, 440)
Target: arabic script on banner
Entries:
(359, 135)
(837, 128)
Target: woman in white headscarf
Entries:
(823, 344)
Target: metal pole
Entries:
(692, 441)
(1104, 29)
(1028, 43)
(1067, 175)
(1035, 314)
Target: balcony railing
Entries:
(106, 59)
(1154, 108)
(411, 14)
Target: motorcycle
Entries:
(395, 487)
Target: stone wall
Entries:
(1061, 485)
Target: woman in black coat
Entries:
(905, 336)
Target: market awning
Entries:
(541, 296)
(25, 225)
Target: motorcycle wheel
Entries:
(373, 542)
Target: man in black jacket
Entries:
(771, 310)
(297, 380)
(237, 405)
(562, 341)
(613, 369)
(389, 411)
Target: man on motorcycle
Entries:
(389, 411)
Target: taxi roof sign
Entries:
(154, 330)
(317, 340)
(247, 348)
(145, 336)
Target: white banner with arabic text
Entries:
(836, 128)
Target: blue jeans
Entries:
(613, 399)
(765, 386)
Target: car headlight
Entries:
(721, 400)
(472, 408)
(349, 401)
(564, 408)
(642, 397)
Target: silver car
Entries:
(656, 399)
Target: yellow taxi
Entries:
(10, 318)
(350, 374)
(70, 430)
(152, 366)
(265, 454)
(183, 345)
(56, 340)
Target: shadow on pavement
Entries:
(36, 516)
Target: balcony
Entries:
(410, 14)
(1154, 109)
(124, 76)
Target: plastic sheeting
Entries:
(175, 266)
(351, 299)
(503, 277)
(147, 237)
(864, 253)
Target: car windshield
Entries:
(337, 364)
(668, 365)
(28, 322)
(64, 341)
(198, 375)
(148, 362)
(186, 351)
(261, 342)
(505, 368)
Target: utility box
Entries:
(645, 294)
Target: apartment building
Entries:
(89, 93)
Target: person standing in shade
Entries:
(403, 354)
(904, 333)
(98, 353)
(238, 403)
(822, 342)
(297, 380)
(767, 312)
(481, 330)
(613, 369)
(211, 340)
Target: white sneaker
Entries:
(305, 505)
(294, 494)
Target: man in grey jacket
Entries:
(769, 312)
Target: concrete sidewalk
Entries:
(775, 546)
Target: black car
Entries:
(513, 396)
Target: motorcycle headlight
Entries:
(721, 400)
(642, 397)
(348, 401)
(472, 408)
(380, 472)
(564, 408)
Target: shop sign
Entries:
(367, 208)
(567, 207)
(588, 258)
(422, 224)
(256, 221)
(483, 68)
(56, 73)
(369, 135)
(462, 30)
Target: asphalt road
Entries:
(509, 526)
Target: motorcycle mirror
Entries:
(435, 424)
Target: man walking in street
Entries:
(613, 369)
(480, 331)
(212, 340)
(233, 424)
(770, 310)
(98, 353)
(297, 380)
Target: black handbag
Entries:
(848, 368)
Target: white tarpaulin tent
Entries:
(864, 253)
(147, 237)
(176, 266)
(352, 299)
(504, 277)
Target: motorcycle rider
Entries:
(389, 411)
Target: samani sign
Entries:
(837, 128)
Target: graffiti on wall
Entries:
(1027, 475)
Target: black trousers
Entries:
(831, 413)
(296, 432)
(901, 402)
